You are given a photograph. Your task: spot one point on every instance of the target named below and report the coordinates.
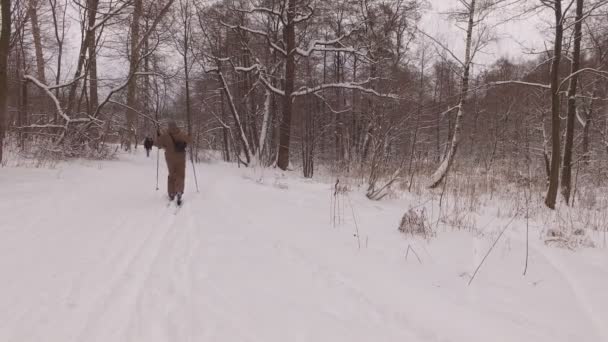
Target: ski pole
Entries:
(193, 169)
(157, 165)
(157, 152)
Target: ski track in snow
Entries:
(90, 252)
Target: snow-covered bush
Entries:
(415, 222)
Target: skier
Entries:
(174, 142)
(148, 143)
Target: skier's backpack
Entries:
(180, 146)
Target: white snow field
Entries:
(89, 251)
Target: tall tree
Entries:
(5, 37)
(289, 33)
(574, 68)
(34, 21)
(92, 6)
(551, 196)
(445, 165)
(131, 134)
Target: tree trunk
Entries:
(225, 130)
(587, 127)
(575, 66)
(81, 60)
(92, 43)
(235, 115)
(555, 108)
(132, 87)
(418, 114)
(33, 13)
(5, 34)
(186, 72)
(59, 37)
(289, 34)
(444, 167)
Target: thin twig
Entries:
(352, 209)
(409, 248)
(491, 248)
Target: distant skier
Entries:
(148, 143)
(174, 142)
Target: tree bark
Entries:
(59, 37)
(575, 66)
(289, 35)
(86, 41)
(444, 167)
(5, 34)
(186, 71)
(132, 87)
(33, 14)
(92, 47)
(555, 108)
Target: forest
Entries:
(353, 88)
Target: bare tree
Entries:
(574, 68)
(58, 11)
(5, 37)
(40, 63)
(470, 51)
(551, 196)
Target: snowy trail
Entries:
(90, 252)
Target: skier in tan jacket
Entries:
(174, 142)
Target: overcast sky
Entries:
(515, 38)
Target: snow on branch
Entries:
(41, 126)
(321, 45)
(530, 84)
(353, 86)
(271, 87)
(449, 110)
(303, 17)
(310, 50)
(584, 70)
(248, 69)
(50, 94)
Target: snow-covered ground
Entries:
(89, 251)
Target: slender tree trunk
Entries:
(92, 44)
(21, 64)
(186, 66)
(575, 66)
(235, 115)
(225, 130)
(444, 167)
(418, 114)
(5, 35)
(290, 70)
(587, 127)
(555, 108)
(132, 87)
(59, 37)
(86, 41)
(33, 14)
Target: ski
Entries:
(178, 207)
